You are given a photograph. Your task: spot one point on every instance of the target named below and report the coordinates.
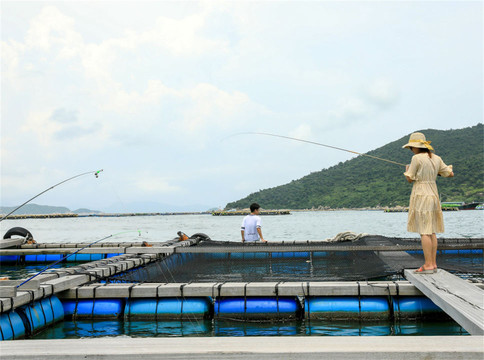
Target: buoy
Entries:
(258, 308)
(346, 308)
(168, 308)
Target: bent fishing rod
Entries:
(96, 174)
(319, 144)
(75, 252)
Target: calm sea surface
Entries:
(317, 225)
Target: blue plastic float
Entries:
(11, 326)
(168, 308)
(9, 259)
(415, 307)
(93, 308)
(257, 308)
(14, 259)
(31, 318)
(347, 307)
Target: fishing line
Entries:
(316, 143)
(75, 252)
(96, 174)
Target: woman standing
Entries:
(425, 212)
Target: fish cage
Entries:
(202, 281)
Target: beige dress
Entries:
(425, 212)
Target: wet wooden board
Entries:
(463, 301)
(7, 243)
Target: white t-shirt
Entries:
(250, 224)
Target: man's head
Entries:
(254, 207)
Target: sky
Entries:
(153, 92)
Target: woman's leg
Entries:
(434, 250)
(427, 248)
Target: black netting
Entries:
(235, 262)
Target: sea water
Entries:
(310, 225)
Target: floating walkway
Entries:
(256, 348)
(166, 281)
(464, 302)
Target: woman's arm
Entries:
(409, 179)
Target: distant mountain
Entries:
(31, 209)
(365, 182)
(86, 211)
(136, 207)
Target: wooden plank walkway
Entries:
(249, 348)
(60, 280)
(461, 300)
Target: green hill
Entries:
(365, 182)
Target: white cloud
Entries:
(156, 185)
(11, 55)
(181, 36)
(383, 92)
(350, 108)
(40, 124)
(379, 95)
(303, 132)
(212, 106)
(52, 28)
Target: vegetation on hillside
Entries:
(365, 182)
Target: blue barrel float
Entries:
(31, 318)
(93, 308)
(9, 259)
(347, 308)
(258, 308)
(16, 259)
(168, 308)
(41, 313)
(416, 307)
(11, 326)
(42, 258)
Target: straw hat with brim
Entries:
(417, 140)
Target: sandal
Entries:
(421, 270)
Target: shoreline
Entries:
(214, 213)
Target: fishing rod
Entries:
(96, 174)
(316, 143)
(75, 252)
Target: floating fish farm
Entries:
(201, 279)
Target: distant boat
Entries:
(460, 205)
(470, 206)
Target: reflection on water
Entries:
(15, 272)
(87, 328)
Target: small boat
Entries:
(470, 206)
(460, 205)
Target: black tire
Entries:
(200, 237)
(20, 231)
